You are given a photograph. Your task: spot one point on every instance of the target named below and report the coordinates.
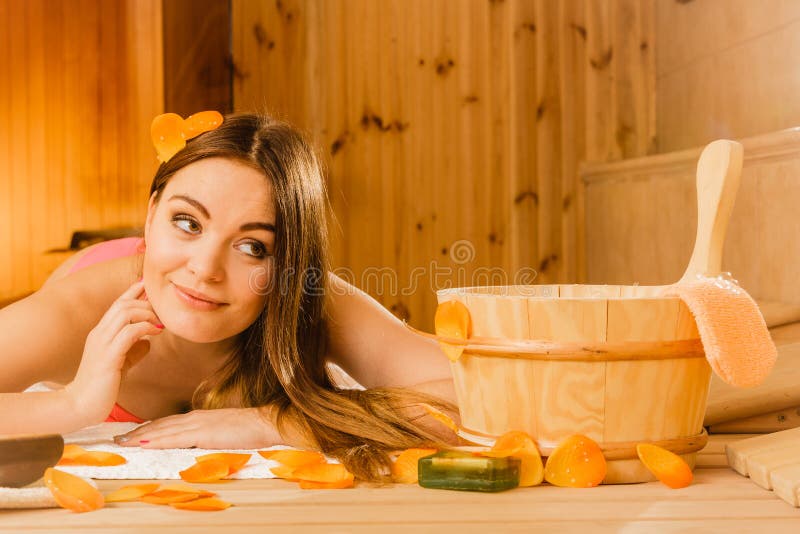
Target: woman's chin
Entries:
(193, 331)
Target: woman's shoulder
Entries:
(94, 254)
(98, 284)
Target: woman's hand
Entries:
(117, 342)
(223, 428)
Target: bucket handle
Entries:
(593, 351)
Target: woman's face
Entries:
(209, 242)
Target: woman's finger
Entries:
(133, 291)
(174, 440)
(135, 315)
(121, 307)
(157, 425)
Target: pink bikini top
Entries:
(110, 250)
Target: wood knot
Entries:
(540, 111)
(527, 194)
(259, 33)
(545, 263)
(579, 29)
(444, 66)
(339, 142)
(603, 61)
(400, 311)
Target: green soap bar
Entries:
(463, 471)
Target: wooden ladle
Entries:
(718, 177)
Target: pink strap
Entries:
(110, 250)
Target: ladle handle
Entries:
(718, 175)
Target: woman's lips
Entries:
(194, 302)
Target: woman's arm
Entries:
(377, 350)
(42, 338)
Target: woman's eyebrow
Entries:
(247, 226)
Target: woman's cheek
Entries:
(260, 281)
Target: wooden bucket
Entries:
(606, 362)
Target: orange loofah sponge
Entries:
(735, 337)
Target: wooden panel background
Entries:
(81, 82)
(726, 69)
(197, 62)
(452, 129)
(642, 216)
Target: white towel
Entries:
(153, 463)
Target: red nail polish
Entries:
(159, 325)
(143, 441)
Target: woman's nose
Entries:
(206, 262)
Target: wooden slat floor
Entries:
(718, 500)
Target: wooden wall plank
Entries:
(726, 69)
(82, 84)
(454, 124)
(197, 66)
(6, 135)
(572, 76)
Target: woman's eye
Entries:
(255, 249)
(186, 223)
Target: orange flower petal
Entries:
(169, 496)
(95, 459)
(201, 122)
(184, 488)
(235, 461)
(346, 483)
(72, 492)
(131, 493)
(285, 472)
(207, 471)
(202, 505)
(453, 320)
(577, 462)
(322, 473)
(71, 451)
(520, 445)
(293, 458)
(405, 467)
(166, 131)
(667, 466)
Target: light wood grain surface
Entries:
(448, 121)
(718, 499)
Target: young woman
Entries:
(226, 310)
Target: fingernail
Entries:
(121, 439)
(144, 441)
(159, 325)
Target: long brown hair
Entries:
(280, 358)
